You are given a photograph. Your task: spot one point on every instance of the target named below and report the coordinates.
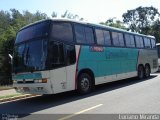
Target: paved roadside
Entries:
(7, 92)
(12, 95)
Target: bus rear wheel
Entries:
(140, 72)
(84, 83)
(147, 71)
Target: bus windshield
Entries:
(30, 51)
(34, 31)
(30, 56)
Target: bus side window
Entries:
(56, 55)
(107, 37)
(99, 36)
(129, 40)
(153, 42)
(84, 34)
(89, 35)
(62, 31)
(117, 39)
(80, 35)
(70, 54)
(139, 42)
(147, 43)
(103, 37)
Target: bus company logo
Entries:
(96, 49)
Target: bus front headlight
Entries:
(14, 81)
(44, 80)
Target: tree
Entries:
(153, 30)
(54, 14)
(4, 21)
(114, 23)
(71, 16)
(156, 29)
(140, 18)
(10, 23)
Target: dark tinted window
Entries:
(117, 39)
(147, 43)
(18, 58)
(129, 40)
(84, 34)
(80, 34)
(99, 36)
(61, 54)
(89, 35)
(70, 54)
(56, 55)
(103, 37)
(34, 54)
(34, 31)
(30, 56)
(153, 43)
(62, 31)
(158, 49)
(139, 42)
(107, 38)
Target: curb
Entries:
(16, 97)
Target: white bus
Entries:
(57, 55)
(158, 50)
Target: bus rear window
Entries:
(34, 31)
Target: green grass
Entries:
(9, 96)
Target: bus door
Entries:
(70, 57)
(58, 73)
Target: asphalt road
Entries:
(130, 96)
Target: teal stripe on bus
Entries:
(28, 76)
(109, 60)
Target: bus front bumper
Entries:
(36, 88)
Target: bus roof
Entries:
(55, 19)
(120, 30)
(87, 23)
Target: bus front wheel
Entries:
(84, 83)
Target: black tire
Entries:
(140, 72)
(84, 83)
(147, 71)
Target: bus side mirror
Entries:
(11, 57)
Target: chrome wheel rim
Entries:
(85, 84)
